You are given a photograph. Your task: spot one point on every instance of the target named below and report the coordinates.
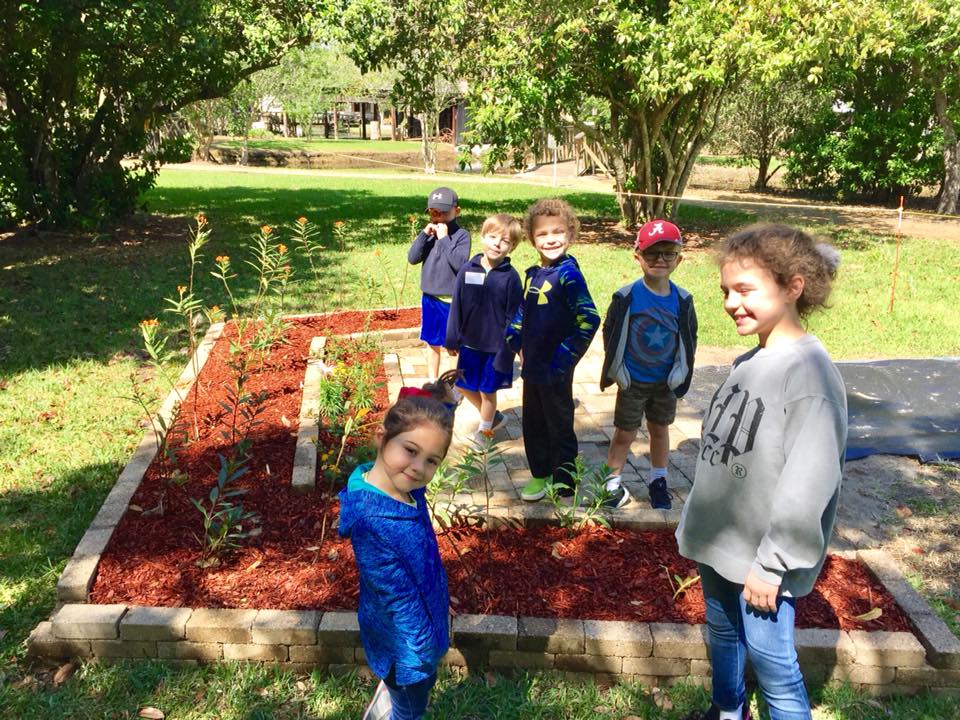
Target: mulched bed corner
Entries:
(298, 562)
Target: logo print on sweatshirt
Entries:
(730, 428)
(541, 292)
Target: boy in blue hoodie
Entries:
(551, 330)
(485, 299)
(404, 601)
(443, 247)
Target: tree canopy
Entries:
(84, 82)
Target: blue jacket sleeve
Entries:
(586, 321)
(385, 575)
(420, 248)
(503, 361)
(455, 319)
(514, 332)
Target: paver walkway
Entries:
(593, 421)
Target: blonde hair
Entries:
(552, 207)
(785, 252)
(504, 223)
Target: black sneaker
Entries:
(618, 498)
(659, 495)
(499, 420)
(565, 491)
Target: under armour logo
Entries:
(436, 196)
(540, 292)
(657, 229)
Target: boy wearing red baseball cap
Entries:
(649, 340)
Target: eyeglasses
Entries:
(652, 255)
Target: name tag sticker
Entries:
(474, 278)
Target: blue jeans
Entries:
(409, 701)
(738, 632)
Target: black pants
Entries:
(548, 436)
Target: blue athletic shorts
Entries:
(478, 372)
(433, 320)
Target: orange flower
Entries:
(181, 289)
(201, 219)
(215, 309)
(487, 433)
(302, 220)
(412, 218)
(281, 248)
(286, 268)
(339, 224)
(222, 259)
(376, 253)
(151, 323)
(266, 229)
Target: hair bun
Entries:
(830, 255)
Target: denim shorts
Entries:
(655, 401)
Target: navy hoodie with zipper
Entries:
(484, 303)
(555, 323)
(441, 258)
(404, 601)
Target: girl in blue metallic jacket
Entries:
(404, 603)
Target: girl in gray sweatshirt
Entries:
(765, 494)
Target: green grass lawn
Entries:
(69, 342)
(324, 145)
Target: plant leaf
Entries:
(871, 614)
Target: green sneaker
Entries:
(534, 490)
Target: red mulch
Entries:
(299, 562)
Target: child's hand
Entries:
(760, 594)
(441, 230)
(430, 229)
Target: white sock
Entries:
(731, 714)
(613, 482)
(485, 425)
(657, 473)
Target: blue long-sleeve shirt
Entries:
(404, 601)
(441, 259)
(555, 323)
(483, 305)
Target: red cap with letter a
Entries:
(657, 231)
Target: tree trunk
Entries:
(763, 161)
(427, 144)
(393, 122)
(950, 191)
(336, 123)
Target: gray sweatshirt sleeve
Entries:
(808, 488)
(454, 249)
(419, 248)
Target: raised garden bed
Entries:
(526, 594)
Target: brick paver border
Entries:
(653, 653)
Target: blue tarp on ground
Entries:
(896, 407)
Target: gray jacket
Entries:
(616, 326)
(442, 259)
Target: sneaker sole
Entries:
(533, 498)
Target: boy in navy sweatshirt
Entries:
(486, 295)
(552, 329)
(443, 247)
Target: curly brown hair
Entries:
(551, 207)
(786, 252)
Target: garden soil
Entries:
(298, 562)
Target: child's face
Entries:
(442, 216)
(758, 304)
(411, 458)
(659, 260)
(495, 245)
(550, 237)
